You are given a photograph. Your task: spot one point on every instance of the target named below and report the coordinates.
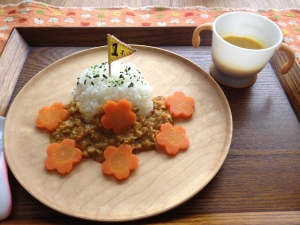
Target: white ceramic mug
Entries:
(235, 66)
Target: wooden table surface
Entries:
(259, 182)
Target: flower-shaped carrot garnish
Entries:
(172, 139)
(50, 117)
(62, 156)
(118, 116)
(180, 105)
(119, 161)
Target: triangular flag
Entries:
(117, 49)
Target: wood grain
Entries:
(152, 36)
(290, 82)
(11, 63)
(268, 218)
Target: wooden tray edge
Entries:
(11, 64)
(96, 36)
(290, 82)
(286, 217)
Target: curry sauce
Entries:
(92, 138)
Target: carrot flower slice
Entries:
(50, 117)
(119, 161)
(172, 139)
(62, 156)
(180, 105)
(118, 116)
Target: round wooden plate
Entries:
(161, 182)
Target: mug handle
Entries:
(291, 58)
(196, 35)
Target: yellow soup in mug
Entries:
(243, 42)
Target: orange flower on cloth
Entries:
(50, 117)
(180, 105)
(119, 161)
(118, 116)
(172, 139)
(62, 156)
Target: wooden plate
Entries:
(160, 183)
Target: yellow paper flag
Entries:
(117, 49)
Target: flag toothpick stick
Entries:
(109, 54)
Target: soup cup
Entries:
(236, 66)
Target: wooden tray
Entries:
(259, 180)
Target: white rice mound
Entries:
(94, 87)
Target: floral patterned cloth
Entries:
(31, 13)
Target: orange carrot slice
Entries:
(50, 117)
(118, 116)
(119, 161)
(172, 139)
(180, 105)
(62, 156)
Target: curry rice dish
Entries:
(93, 88)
